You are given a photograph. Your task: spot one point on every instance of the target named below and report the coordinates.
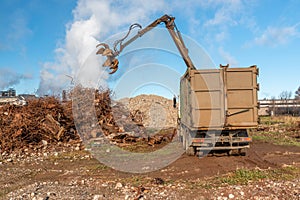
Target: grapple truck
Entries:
(217, 106)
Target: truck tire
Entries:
(190, 151)
(183, 142)
(202, 153)
(242, 152)
(229, 152)
(182, 137)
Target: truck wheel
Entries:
(183, 143)
(242, 152)
(190, 151)
(202, 153)
(182, 137)
(229, 152)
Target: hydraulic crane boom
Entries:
(112, 62)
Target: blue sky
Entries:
(43, 41)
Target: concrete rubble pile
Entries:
(48, 120)
(147, 118)
(155, 111)
(121, 124)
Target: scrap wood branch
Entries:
(51, 120)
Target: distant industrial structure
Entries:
(8, 93)
(10, 97)
(271, 107)
(267, 107)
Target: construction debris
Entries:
(50, 121)
(153, 110)
(41, 120)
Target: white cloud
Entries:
(16, 31)
(274, 36)
(221, 16)
(227, 13)
(221, 36)
(9, 78)
(19, 28)
(93, 20)
(228, 58)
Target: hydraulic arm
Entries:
(112, 61)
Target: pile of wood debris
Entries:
(48, 119)
(43, 119)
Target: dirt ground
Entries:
(69, 173)
(42, 157)
(261, 154)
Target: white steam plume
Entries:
(93, 20)
(9, 78)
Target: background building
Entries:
(279, 107)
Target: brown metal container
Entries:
(219, 99)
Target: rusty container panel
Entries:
(241, 89)
(203, 99)
(185, 105)
(207, 99)
(223, 98)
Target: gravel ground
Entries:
(70, 173)
(98, 189)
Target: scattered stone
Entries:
(44, 142)
(96, 197)
(158, 181)
(118, 185)
(77, 148)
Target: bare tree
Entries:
(297, 101)
(285, 95)
(272, 109)
(297, 94)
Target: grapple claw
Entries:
(114, 66)
(103, 44)
(113, 71)
(111, 61)
(100, 51)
